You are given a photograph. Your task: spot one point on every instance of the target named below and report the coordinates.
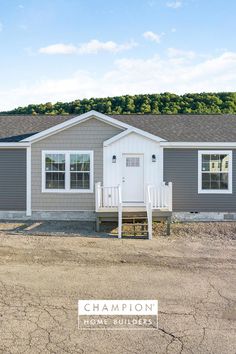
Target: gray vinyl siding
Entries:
(88, 135)
(181, 168)
(13, 179)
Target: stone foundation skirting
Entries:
(89, 215)
(203, 216)
(81, 215)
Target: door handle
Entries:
(123, 179)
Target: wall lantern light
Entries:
(154, 158)
(114, 159)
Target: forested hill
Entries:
(165, 103)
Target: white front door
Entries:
(132, 178)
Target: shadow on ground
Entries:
(58, 228)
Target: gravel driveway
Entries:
(44, 271)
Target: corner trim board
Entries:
(28, 182)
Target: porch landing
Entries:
(133, 215)
(163, 212)
(157, 206)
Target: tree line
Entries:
(164, 103)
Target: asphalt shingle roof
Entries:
(18, 127)
(186, 128)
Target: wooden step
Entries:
(135, 224)
(138, 219)
(124, 214)
(140, 213)
(141, 232)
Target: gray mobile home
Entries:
(73, 167)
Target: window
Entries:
(79, 171)
(215, 171)
(132, 162)
(55, 171)
(67, 171)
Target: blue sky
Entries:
(68, 49)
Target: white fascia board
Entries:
(14, 145)
(129, 131)
(73, 121)
(196, 145)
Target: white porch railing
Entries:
(109, 198)
(157, 197)
(160, 196)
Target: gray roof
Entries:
(17, 127)
(186, 128)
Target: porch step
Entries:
(125, 215)
(135, 224)
(134, 217)
(138, 230)
(134, 209)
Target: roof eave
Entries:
(133, 130)
(81, 118)
(199, 144)
(14, 145)
(73, 121)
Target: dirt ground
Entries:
(46, 267)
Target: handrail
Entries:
(149, 211)
(119, 212)
(119, 194)
(97, 195)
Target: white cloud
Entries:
(181, 54)
(131, 76)
(59, 48)
(151, 36)
(92, 47)
(173, 30)
(174, 4)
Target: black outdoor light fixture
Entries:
(154, 158)
(114, 159)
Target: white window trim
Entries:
(214, 191)
(67, 171)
